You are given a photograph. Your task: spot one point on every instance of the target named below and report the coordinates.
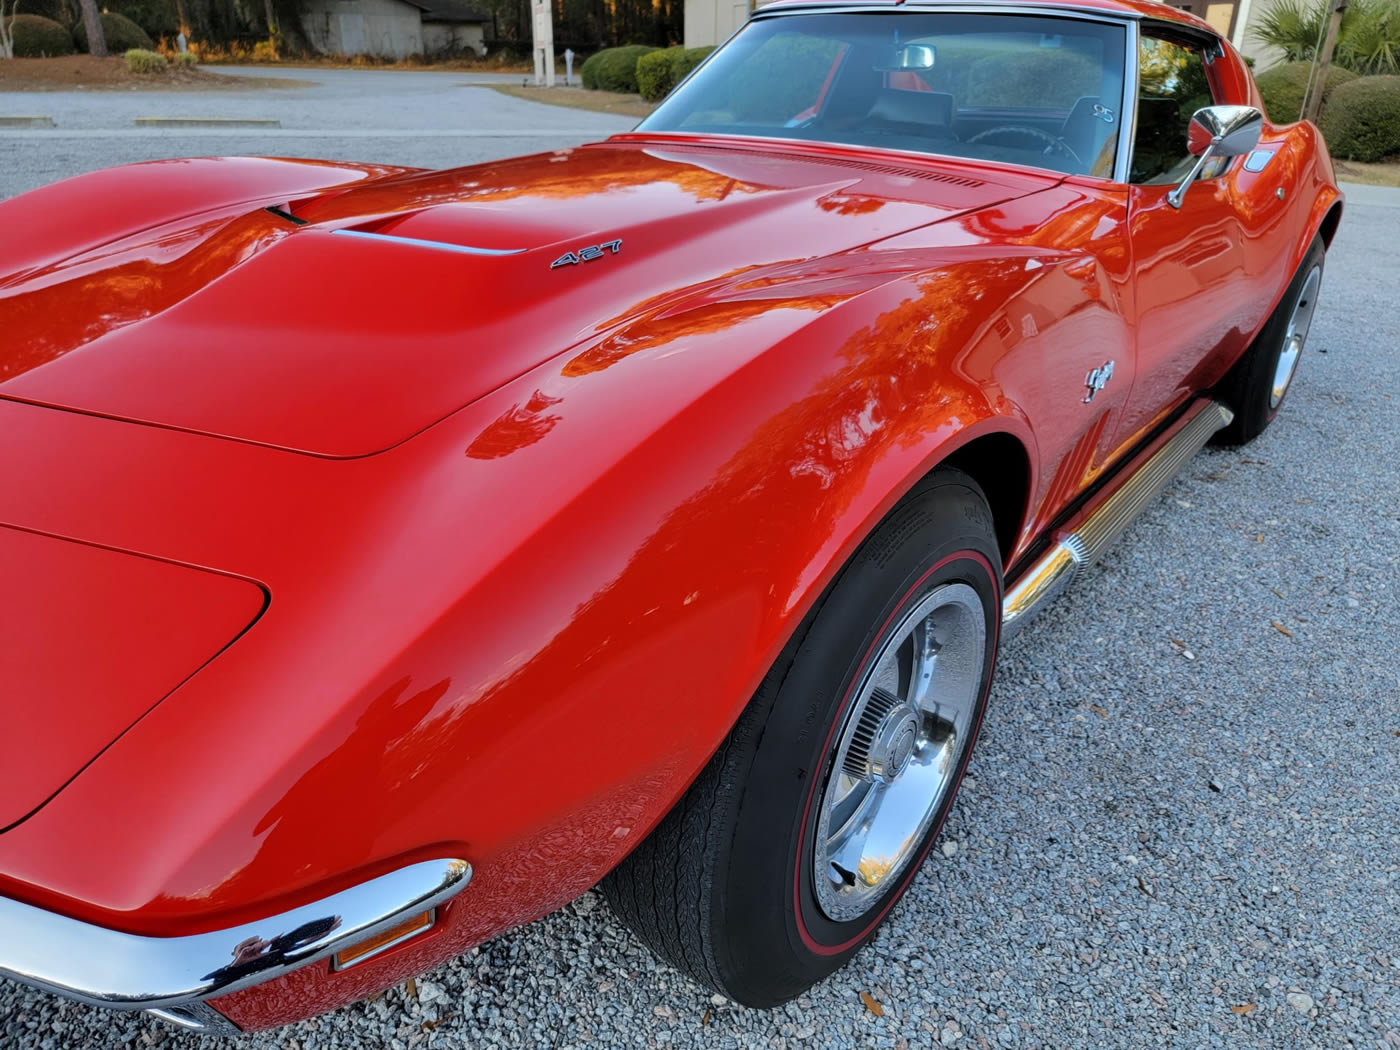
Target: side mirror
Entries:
(1218, 131)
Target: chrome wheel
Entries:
(898, 750)
(1295, 337)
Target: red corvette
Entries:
(391, 555)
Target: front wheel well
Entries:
(999, 464)
(1328, 229)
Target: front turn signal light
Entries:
(384, 940)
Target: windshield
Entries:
(1024, 89)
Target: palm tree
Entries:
(1368, 42)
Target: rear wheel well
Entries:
(999, 464)
(1328, 229)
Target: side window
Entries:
(1172, 85)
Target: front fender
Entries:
(518, 636)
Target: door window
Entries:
(1172, 85)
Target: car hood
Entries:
(345, 322)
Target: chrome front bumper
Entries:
(172, 976)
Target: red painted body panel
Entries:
(490, 501)
(156, 328)
(135, 629)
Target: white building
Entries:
(394, 28)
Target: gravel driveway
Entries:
(1182, 824)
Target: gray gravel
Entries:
(1182, 825)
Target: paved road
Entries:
(1154, 849)
(424, 119)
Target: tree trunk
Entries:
(1317, 80)
(271, 20)
(92, 21)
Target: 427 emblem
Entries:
(593, 251)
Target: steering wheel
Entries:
(1051, 143)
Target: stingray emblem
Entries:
(593, 251)
(1097, 380)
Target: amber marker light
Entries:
(383, 940)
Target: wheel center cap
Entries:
(894, 747)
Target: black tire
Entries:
(722, 888)
(1249, 387)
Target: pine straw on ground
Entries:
(83, 72)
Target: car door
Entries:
(1191, 311)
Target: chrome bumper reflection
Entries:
(171, 976)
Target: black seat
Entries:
(1081, 129)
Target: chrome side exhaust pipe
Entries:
(1085, 537)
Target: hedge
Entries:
(654, 78)
(660, 71)
(688, 59)
(56, 10)
(121, 32)
(39, 37)
(157, 17)
(1055, 77)
(782, 78)
(614, 68)
(140, 61)
(1283, 86)
(1362, 119)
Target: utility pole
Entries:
(1312, 102)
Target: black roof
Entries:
(450, 11)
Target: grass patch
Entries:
(617, 103)
(71, 72)
(1382, 173)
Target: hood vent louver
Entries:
(865, 165)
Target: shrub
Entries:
(654, 77)
(187, 59)
(1283, 87)
(783, 78)
(37, 37)
(660, 71)
(121, 32)
(58, 10)
(1362, 120)
(614, 68)
(686, 59)
(1057, 76)
(157, 17)
(140, 61)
